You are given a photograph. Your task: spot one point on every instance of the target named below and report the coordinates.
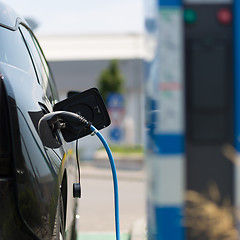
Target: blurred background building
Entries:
(78, 61)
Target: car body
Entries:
(36, 181)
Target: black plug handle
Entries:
(77, 193)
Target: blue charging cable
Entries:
(115, 182)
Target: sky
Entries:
(83, 16)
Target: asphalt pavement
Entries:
(96, 207)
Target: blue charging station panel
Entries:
(165, 127)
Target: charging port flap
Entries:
(88, 104)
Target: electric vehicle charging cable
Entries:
(63, 116)
(115, 181)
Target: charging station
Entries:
(193, 111)
(165, 156)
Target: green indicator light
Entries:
(190, 16)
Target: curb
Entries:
(101, 236)
(122, 161)
(139, 230)
(92, 170)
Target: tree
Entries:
(111, 80)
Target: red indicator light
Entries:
(224, 16)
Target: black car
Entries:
(38, 169)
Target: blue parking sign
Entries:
(115, 101)
(116, 134)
